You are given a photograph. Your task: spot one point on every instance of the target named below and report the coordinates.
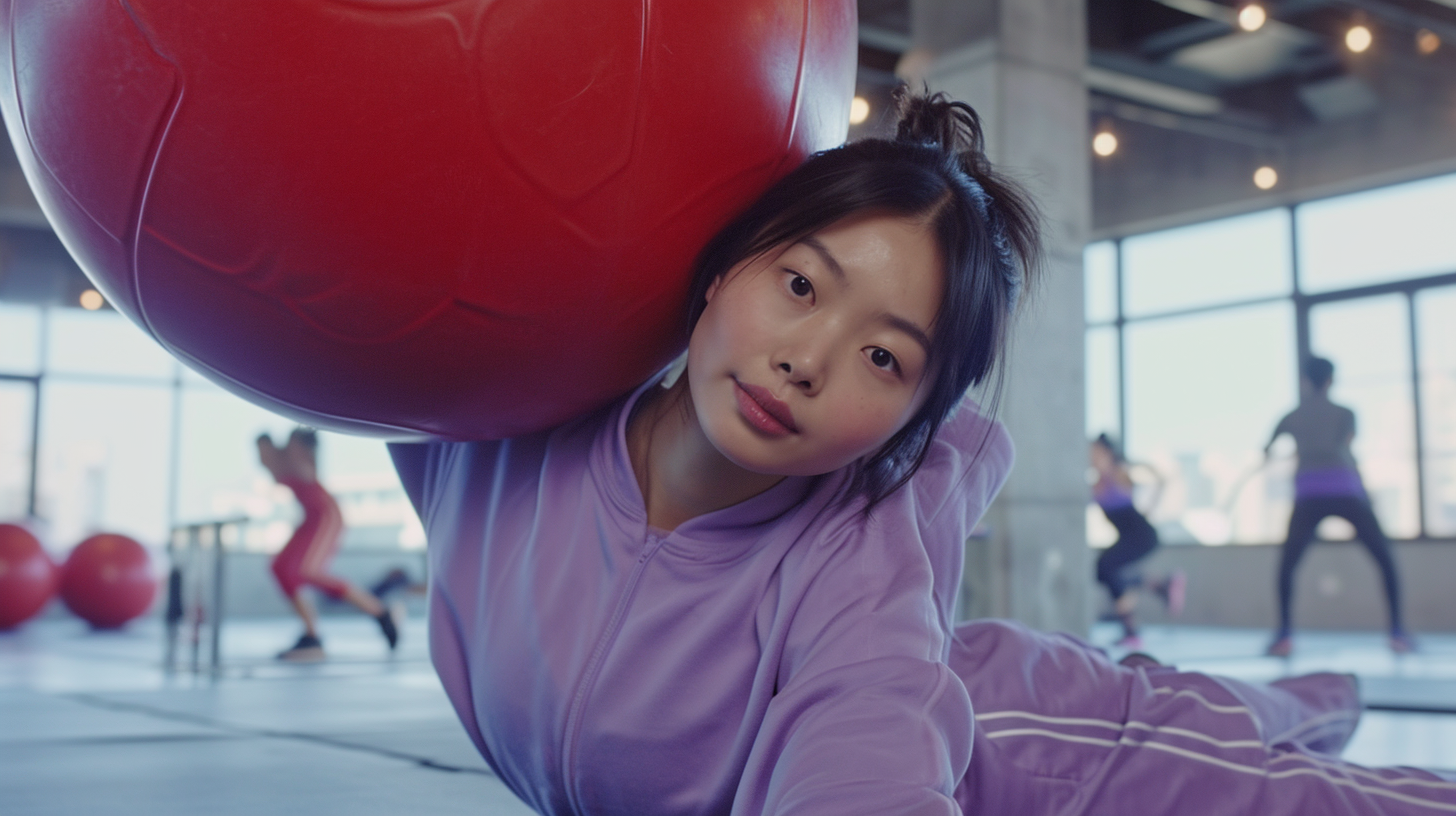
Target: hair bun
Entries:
(935, 119)
(954, 128)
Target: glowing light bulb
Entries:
(1427, 42)
(91, 300)
(1252, 17)
(1358, 39)
(1104, 143)
(859, 110)
(1266, 177)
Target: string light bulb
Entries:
(91, 300)
(859, 110)
(1427, 41)
(1252, 17)
(1266, 177)
(1104, 143)
(1359, 39)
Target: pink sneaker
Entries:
(1282, 646)
(1132, 643)
(1402, 644)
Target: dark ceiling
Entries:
(1187, 64)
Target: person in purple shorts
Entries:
(733, 590)
(1327, 483)
(1136, 539)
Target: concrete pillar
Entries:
(1019, 63)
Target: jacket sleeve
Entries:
(416, 463)
(439, 472)
(965, 468)
(866, 718)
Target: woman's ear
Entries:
(712, 289)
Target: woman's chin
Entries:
(767, 456)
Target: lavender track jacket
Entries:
(785, 655)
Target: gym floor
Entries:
(90, 722)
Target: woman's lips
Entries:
(763, 411)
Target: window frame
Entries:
(1303, 303)
(33, 380)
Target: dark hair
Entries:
(1111, 445)
(1319, 371)
(987, 230)
(305, 436)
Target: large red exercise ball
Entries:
(27, 576)
(107, 580)
(471, 219)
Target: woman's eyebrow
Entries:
(828, 259)
(916, 333)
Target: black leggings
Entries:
(1307, 515)
(1135, 539)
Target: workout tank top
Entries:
(1110, 495)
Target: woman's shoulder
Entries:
(971, 456)
(964, 469)
(425, 466)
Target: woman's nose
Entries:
(803, 363)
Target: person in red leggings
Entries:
(305, 559)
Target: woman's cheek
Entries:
(868, 425)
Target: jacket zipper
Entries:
(589, 678)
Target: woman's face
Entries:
(816, 353)
(1102, 458)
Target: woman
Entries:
(733, 591)
(1327, 483)
(1136, 539)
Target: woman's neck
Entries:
(680, 473)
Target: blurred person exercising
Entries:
(305, 558)
(1327, 483)
(1136, 539)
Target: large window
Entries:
(1104, 398)
(129, 441)
(17, 401)
(20, 335)
(104, 454)
(1436, 339)
(1383, 235)
(1202, 394)
(1100, 265)
(1193, 341)
(1229, 261)
(1368, 340)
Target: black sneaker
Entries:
(308, 649)
(387, 626)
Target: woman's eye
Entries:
(800, 286)
(882, 359)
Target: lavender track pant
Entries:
(1061, 729)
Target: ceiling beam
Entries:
(1207, 9)
(1379, 9)
(1181, 36)
(1158, 94)
(1199, 126)
(1155, 71)
(884, 39)
(1218, 20)
(1391, 13)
